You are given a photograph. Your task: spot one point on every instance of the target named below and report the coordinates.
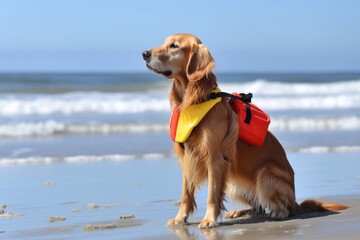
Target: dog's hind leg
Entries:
(276, 191)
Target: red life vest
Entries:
(253, 122)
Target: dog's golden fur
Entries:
(258, 176)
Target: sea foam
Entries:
(267, 95)
(78, 103)
(52, 127)
(81, 159)
(263, 87)
(4, 162)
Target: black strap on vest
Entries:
(243, 97)
(248, 114)
(246, 98)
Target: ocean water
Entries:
(50, 118)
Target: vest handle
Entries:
(243, 97)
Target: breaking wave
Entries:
(263, 87)
(77, 103)
(51, 127)
(311, 124)
(267, 95)
(80, 159)
(5, 162)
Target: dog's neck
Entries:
(185, 93)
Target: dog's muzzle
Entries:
(146, 56)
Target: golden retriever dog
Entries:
(260, 177)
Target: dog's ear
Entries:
(200, 63)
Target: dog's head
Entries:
(181, 56)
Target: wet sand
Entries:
(134, 199)
(334, 225)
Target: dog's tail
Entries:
(311, 205)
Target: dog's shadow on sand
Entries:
(232, 228)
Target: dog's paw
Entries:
(236, 213)
(279, 213)
(206, 223)
(175, 221)
(233, 214)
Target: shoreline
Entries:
(134, 199)
(328, 225)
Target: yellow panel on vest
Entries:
(192, 116)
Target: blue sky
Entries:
(109, 35)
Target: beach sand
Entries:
(133, 199)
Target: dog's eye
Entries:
(173, 45)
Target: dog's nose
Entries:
(146, 54)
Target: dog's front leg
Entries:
(216, 184)
(187, 204)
